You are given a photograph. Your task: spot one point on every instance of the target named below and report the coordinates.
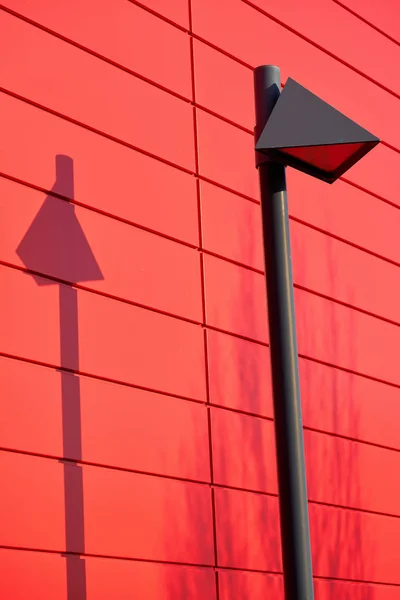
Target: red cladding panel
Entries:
(235, 99)
(33, 575)
(254, 466)
(347, 404)
(384, 16)
(344, 337)
(147, 517)
(344, 273)
(125, 515)
(116, 340)
(248, 534)
(107, 175)
(48, 71)
(249, 586)
(32, 416)
(368, 544)
(239, 374)
(235, 299)
(231, 226)
(165, 353)
(42, 576)
(226, 155)
(377, 173)
(129, 579)
(120, 32)
(348, 473)
(135, 265)
(347, 212)
(40, 522)
(119, 426)
(148, 432)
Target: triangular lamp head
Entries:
(306, 133)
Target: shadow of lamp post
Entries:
(55, 245)
(293, 128)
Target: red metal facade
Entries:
(136, 433)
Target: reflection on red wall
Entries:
(136, 431)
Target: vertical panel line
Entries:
(203, 293)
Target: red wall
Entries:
(136, 433)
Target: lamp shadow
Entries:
(56, 246)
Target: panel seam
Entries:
(196, 482)
(198, 401)
(192, 320)
(204, 308)
(194, 565)
(355, 14)
(175, 165)
(229, 55)
(321, 49)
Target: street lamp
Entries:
(293, 128)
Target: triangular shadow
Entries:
(55, 243)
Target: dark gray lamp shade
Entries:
(306, 133)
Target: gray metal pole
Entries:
(293, 502)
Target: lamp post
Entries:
(294, 128)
